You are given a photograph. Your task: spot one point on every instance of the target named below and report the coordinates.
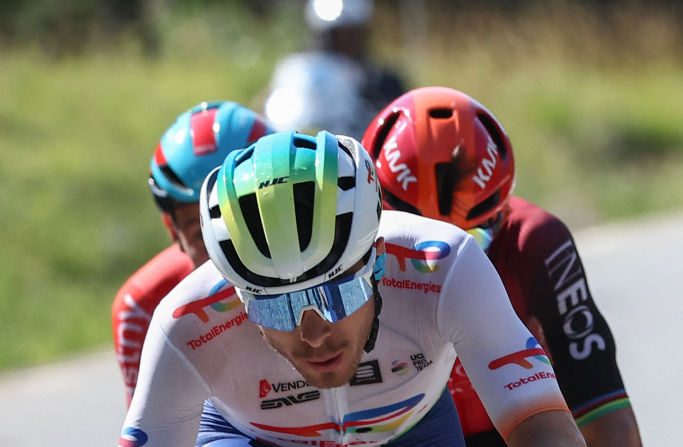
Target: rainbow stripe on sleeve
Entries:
(600, 406)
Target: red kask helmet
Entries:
(441, 154)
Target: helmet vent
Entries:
(243, 156)
(252, 217)
(212, 180)
(215, 212)
(382, 134)
(346, 183)
(494, 132)
(342, 230)
(341, 239)
(230, 253)
(303, 143)
(441, 113)
(487, 205)
(344, 147)
(172, 176)
(305, 197)
(445, 173)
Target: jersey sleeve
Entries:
(168, 401)
(134, 305)
(577, 335)
(506, 365)
(130, 321)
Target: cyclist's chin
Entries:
(329, 373)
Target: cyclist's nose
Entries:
(314, 330)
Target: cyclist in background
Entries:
(336, 85)
(441, 154)
(198, 141)
(353, 317)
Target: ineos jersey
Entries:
(135, 302)
(534, 254)
(440, 295)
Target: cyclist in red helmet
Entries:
(441, 154)
(198, 141)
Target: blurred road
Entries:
(633, 271)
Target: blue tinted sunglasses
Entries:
(332, 301)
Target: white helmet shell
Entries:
(271, 235)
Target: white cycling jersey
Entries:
(440, 296)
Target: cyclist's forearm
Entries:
(616, 429)
(550, 428)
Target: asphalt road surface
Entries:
(634, 269)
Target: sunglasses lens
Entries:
(333, 301)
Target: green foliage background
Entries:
(593, 105)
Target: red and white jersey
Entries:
(441, 295)
(535, 255)
(135, 303)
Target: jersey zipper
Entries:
(337, 407)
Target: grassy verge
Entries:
(596, 130)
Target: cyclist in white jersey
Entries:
(334, 329)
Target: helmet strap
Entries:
(372, 338)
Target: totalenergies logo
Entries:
(132, 437)
(423, 257)
(533, 350)
(221, 301)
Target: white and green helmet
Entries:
(291, 211)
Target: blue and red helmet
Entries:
(197, 142)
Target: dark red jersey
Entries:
(535, 255)
(135, 302)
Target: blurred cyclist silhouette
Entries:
(334, 86)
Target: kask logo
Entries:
(132, 437)
(423, 257)
(218, 300)
(533, 350)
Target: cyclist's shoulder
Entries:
(399, 225)
(532, 221)
(170, 262)
(424, 250)
(157, 276)
(203, 289)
